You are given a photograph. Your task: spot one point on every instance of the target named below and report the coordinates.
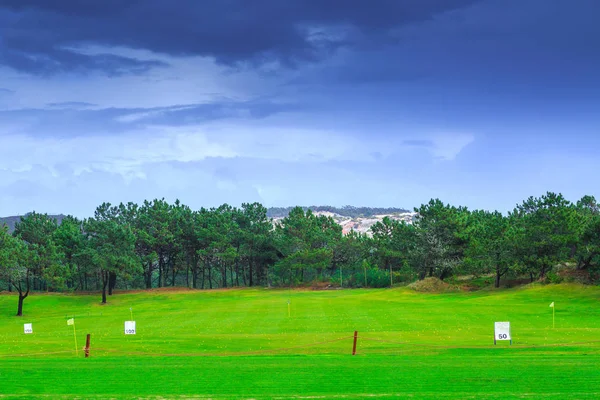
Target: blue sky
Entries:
(481, 103)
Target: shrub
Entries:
(554, 278)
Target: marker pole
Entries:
(75, 337)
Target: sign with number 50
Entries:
(502, 331)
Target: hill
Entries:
(358, 219)
(11, 221)
(346, 211)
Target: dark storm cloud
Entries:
(78, 120)
(36, 35)
(45, 59)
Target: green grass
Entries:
(242, 344)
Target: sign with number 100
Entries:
(27, 328)
(130, 327)
(502, 331)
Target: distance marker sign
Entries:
(27, 328)
(130, 327)
(502, 331)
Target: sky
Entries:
(384, 103)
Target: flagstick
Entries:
(553, 316)
(75, 336)
(131, 311)
(289, 315)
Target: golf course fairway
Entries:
(278, 343)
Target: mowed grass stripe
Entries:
(489, 376)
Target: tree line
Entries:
(157, 244)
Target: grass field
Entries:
(242, 344)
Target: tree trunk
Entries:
(445, 273)
(22, 296)
(497, 281)
(149, 276)
(250, 283)
(588, 261)
(267, 277)
(20, 306)
(244, 275)
(160, 271)
(187, 276)
(112, 282)
(203, 275)
(104, 285)
(210, 277)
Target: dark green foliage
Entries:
(108, 247)
(306, 243)
(375, 278)
(158, 244)
(546, 230)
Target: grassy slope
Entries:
(424, 345)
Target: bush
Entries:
(554, 278)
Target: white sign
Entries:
(502, 331)
(130, 327)
(27, 328)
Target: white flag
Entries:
(71, 321)
(552, 304)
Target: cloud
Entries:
(418, 143)
(112, 144)
(188, 80)
(71, 105)
(119, 154)
(448, 146)
(202, 165)
(38, 35)
(6, 91)
(49, 60)
(73, 119)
